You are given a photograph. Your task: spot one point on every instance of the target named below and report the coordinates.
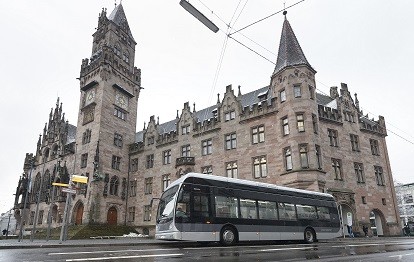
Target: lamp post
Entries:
(28, 186)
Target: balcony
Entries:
(185, 161)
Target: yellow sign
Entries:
(60, 184)
(80, 179)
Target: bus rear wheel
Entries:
(228, 236)
(309, 235)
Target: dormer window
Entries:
(185, 130)
(297, 91)
(230, 115)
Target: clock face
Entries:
(90, 96)
(121, 100)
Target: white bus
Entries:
(202, 207)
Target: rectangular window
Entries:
(359, 172)
(333, 137)
(374, 147)
(259, 167)
(363, 200)
(379, 176)
(116, 161)
(231, 141)
(150, 161)
(134, 165)
(185, 151)
(303, 153)
(147, 213)
(337, 168)
(297, 91)
(384, 201)
(288, 158)
(258, 135)
(229, 115)
(248, 209)
(306, 212)
(166, 156)
(285, 126)
(318, 156)
(131, 214)
(206, 147)
(231, 169)
(312, 92)
(207, 170)
(267, 210)
(132, 188)
(282, 95)
(118, 140)
(354, 142)
(165, 181)
(185, 130)
(86, 138)
(301, 122)
(148, 186)
(118, 112)
(226, 207)
(84, 160)
(315, 123)
(287, 211)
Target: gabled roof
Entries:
(247, 100)
(118, 17)
(290, 53)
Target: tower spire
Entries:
(290, 53)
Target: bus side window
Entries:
(287, 211)
(306, 212)
(248, 208)
(201, 205)
(183, 204)
(267, 210)
(323, 213)
(226, 206)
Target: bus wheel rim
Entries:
(309, 236)
(228, 236)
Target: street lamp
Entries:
(197, 14)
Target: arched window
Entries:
(113, 186)
(36, 186)
(126, 56)
(46, 153)
(55, 151)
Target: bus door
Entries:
(201, 205)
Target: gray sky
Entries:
(366, 44)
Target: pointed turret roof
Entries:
(119, 18)
(290, 52)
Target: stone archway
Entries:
(78, 213)
(347, 218)
(377, 223)
(112, 216)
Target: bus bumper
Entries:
(175, 235)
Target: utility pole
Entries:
(28, 186)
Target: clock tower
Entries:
(109, 91)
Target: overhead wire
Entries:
(229, 35)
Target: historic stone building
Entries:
(285, 133)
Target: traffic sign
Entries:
(60, 184)
(80, 179)
(69, 190)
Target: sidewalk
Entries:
(42, 243)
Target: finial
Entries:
(218, 98)
(115, 3)
(177, 115)
(194, 107)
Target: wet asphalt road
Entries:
(372, 250)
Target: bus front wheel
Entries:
(309, 235)
(228, 236)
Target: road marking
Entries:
(400, 256)
(109, 251)
(122, 257)
(280, 249)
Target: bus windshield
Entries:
(166, 205)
